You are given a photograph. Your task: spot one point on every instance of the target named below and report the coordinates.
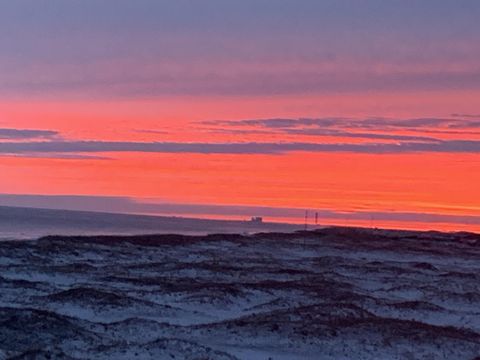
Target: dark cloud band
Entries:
(80, 147)
(14, 134)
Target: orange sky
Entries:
(367, 112)
(427, 182)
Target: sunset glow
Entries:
(216, 108)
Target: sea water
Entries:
(30, 223)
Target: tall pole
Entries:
(306, 220)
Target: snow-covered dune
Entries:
(335, 293)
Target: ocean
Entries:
(31, 223)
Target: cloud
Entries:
(151, 131)
(82, 147)
(347, 134)
(387, 136)
(476, 116)
(154, 48)
(60, 156)
(140, 77)
(372, 123)
(367, 128)
(16, 134)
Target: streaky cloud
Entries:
(377, 123)
(20, 134)
(81, 147)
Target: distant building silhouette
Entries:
(256, 219)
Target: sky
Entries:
(367, 112)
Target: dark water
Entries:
(29, 223)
